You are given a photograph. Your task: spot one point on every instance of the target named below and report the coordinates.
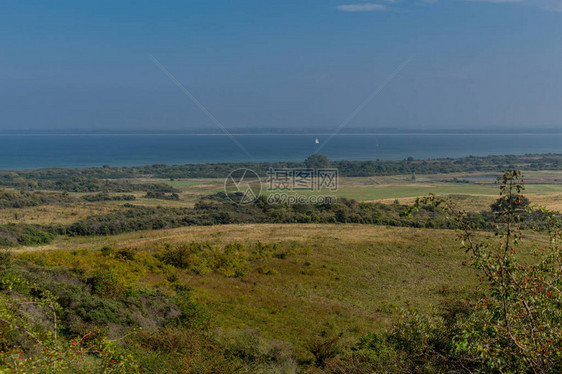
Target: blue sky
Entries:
(474, 64)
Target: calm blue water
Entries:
(39, 151)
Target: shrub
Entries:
(516, 322)
(105, 284)
(323, 350)
(12, 235)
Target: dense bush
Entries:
(104, 196)
(215, 210)
(161, 195)
(10, 199)
(72, 181)
(34, 338)
(13, 235)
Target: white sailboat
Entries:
(316, 141)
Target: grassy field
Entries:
(477, 190)
(344, 279)
(320, 280)
(543, 188)
(349, 278)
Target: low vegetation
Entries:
(220, 212)
(338, 298)
(114, 179)
(63, 180)
(12, 235)
(161, 195)
(22, 199)
(104, 196)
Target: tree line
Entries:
(110, 179)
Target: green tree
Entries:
(317, 161)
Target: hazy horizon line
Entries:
(282, 131)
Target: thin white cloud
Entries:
(365, 7)
(499, 1)
(550, 5)
(553, 5)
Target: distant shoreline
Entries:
(292, 134)
(34, 151)
(211, 131)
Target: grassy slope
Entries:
(354, 279)
(348, 279)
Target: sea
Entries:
(90, 150)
